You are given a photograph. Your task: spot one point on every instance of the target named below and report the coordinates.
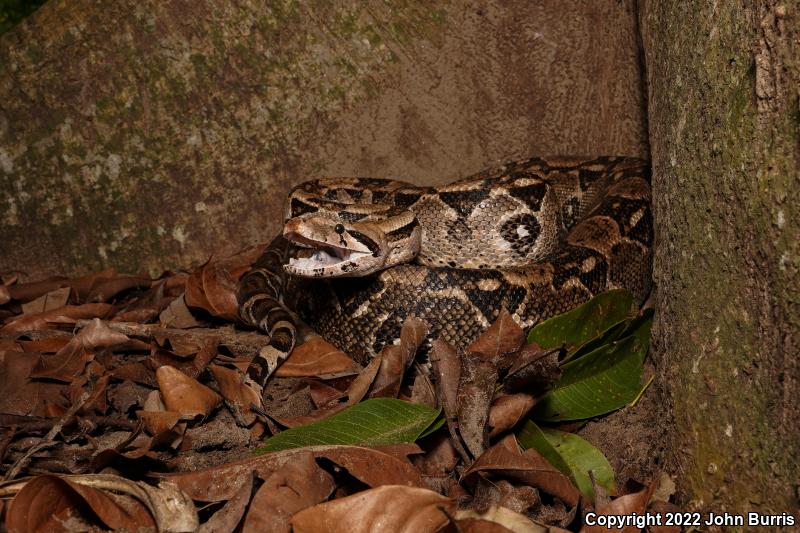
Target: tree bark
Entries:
(144, 134)
(723, 82)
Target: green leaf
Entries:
(601, 381)
(572, 455)
(615, 332)
(585, 322)
(371, 423)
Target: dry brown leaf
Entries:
(144, 315)
(423, 390)
(322, 394)
(9, 345)
(360, 386)
(624, 505)
(396, 358)
(46, 345)
(315, 357)
(447, 367)
(185, 395)
(477, 525)
(229, 516)
(136, 372)
(238, 395)
(475, 392)
(47, 503)
(69, 361)
(371, 466)
(297, 485)
(158, 421)
(440, 458)
(507, 410)
(501, 492)
(502, 517)
(83, 285)
(220, 289)
(19, 395)
(25, 292)
(505, 459)
(96, 402)
(47, 302)
(663, 508)
(314, 416)
(54, 318)
(5, 294)
(384, 509)
(532, 369)
(213, 288)
(503, 337)
(177, 315)
(104, 289)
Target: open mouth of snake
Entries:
(320, 255)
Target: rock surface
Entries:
(147, 135)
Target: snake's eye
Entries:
(339, 229)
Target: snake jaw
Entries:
(357, 251)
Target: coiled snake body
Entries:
(535, 237)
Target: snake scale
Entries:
(360, 255)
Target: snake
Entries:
(359, 256)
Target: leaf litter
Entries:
(123, 406)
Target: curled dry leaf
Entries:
(507, 519)
(25, 292)
(185, 395)
(505, 459)
(5, 294)
(295, 486)
(663, 508)
(213, 289)
(384, 509)
(371, 466)
(157, 422)
(47, 302)
(47, 502)
(229, 516)
(70, 360)
(104, 289)
(238, 395)
(475, 392)
(447, 366)
(396, 358)
(503, 337)
(177, 315)
(315, 357)
(20, 395)
(532, 368)
(503, 493)
(624, 505)
(54, 318)
(361, 385)
(508, 410)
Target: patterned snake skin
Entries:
(535, 237)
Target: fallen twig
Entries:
(48, 439)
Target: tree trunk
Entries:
(723, 82)
(144, 134)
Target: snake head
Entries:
(335, 247)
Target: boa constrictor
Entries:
(535, 237)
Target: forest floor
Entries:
(122, 406)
